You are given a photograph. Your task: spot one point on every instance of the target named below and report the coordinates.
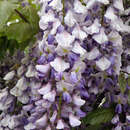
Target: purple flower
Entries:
(50, 39)
(118, 108)
(80, 113)
(67, 98)
(73, 77)
(41, 60)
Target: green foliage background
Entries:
(19, 34)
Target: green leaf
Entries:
(7, 45)
(122, 82)
(128, 80)
(98, 116)
(6, 9)
(94, 127)
(23, 31)
(20, 31)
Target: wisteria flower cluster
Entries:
(76, 62)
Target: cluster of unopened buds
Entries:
(78, 58)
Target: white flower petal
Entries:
(64, 39)
(56, 24)
(22, 84)
(128, 117)
(120, 26)
(93, 54)
(60, 124)
(56, 4)
(128, 69)
(23, 99)
(78, 33)
(78, 7)
(13, 122)
(9, 75)
(16, 92)
(94, 28)
(103, 63)
(118, 4)
(90, 3)
(101, 37)
(104, 1)
(110, 14)
(43, 68)
(3, 93)
(115, 38)
(20, 70)
(74, 121)
(59, 65)
(31, 71)
(48, 127)
(29, 126)
(45, 89)
(118, 127)
(62, 85)
(63, 51)
(78, 49)
(69, 19)
(5, 121)
(53, 117)
(50, 96)
(49, 17)
(79, 66)
(78, 101)
(115, 119)
(42, 122)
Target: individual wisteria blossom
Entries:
(76, 62)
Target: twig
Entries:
(21, 15)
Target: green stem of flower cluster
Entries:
(60, 103)
(102, 14)
(63, 10)
(82, 2)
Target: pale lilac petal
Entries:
(59, 65)
(94, 28)
(50, 96)
(53, 117)
(78, 49)
(60, 124)
(93, 54)
(56, 4)
(104, 1)
(103, 63)
(29, 126)
(22, 84)
(118, 4)
(73, 77)
(69, 19)
(30, 72)
(78, 7)
(45, 89)
(78, 101)
(43, 68)
(9, 75)
(67, 98)
(110, 14)
(101, 37)
(64, 39)
(115, 119)
(42, 122)
(78, 33)
(74, 121)
(48, 127)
